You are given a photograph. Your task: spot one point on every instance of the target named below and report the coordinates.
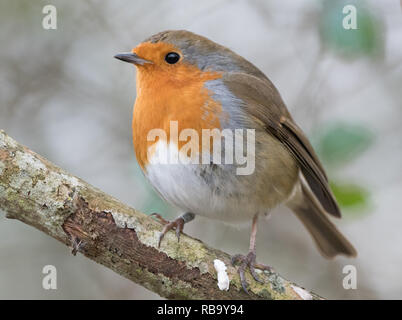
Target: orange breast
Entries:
(177, 96)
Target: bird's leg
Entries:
(177, 224)
(249, 261)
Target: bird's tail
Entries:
(327, 237)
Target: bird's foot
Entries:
(177, 224)
(249, 261)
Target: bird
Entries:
(186, 85)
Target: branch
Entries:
(40, 194)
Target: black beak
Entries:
(131, 58)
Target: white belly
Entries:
(214, 191)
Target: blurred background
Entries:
(63, 95)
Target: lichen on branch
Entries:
(38, 193)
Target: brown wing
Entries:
(263, 101)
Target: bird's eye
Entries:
(172, 57)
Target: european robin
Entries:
(188, 85)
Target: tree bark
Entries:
(38, 193)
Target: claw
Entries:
(248, 261)
(159, 218)
(177, 224)
(236, 258)
(254, 273)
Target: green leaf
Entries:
(366, 39)
(342, 142)
(351, 196)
